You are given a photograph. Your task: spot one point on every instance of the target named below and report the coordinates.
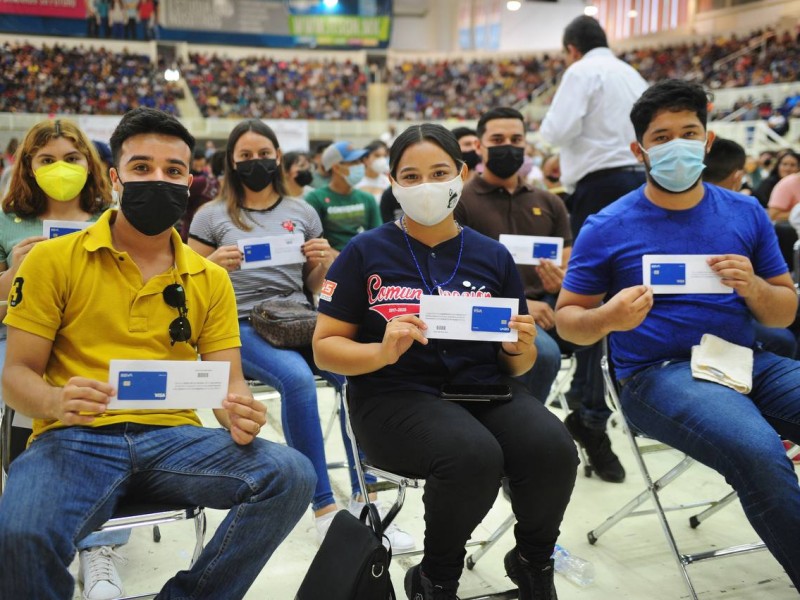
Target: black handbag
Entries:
(352, 563)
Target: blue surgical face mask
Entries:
(355, 174)
(677, 165)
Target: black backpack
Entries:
(352, 563)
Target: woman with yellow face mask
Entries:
(57, 175)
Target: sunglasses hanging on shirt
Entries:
(180, 330)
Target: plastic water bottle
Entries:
(574, 568)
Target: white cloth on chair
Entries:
(722, 362)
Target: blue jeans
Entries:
(735, 435)
(588, 389)
(69, 481)
(540, 378)
(291, 373)
(101, 538)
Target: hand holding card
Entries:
(469, 318)
(157, 384)
(682, 274)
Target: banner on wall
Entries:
(242, 16)
(324, 30)
(352, 24)
(68, 9)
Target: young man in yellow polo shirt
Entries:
(127, 288)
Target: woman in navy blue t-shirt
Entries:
(370, 331)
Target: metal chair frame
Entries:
(127, 515)
(653, 487)
(560, 387)
(258, 387)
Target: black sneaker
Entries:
(535, 582)
(598, 448)
(419, 587)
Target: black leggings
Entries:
(462, 450)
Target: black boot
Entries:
(535, 582)
(419, 587)
(598, 449)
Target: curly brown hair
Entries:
(26, 199)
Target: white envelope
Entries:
(468, 318)
(52, 228)
(156, 384)
(529, 249)
(681, 274)
(271, 250)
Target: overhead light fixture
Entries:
(591, 10)
(633, 13)
(513, 5)
(329, 4)
(172, 75)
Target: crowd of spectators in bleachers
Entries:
(77, 80)
(461, 89)
(776, 60)
(56, 79)
(275, 89)
(458, 89)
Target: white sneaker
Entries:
(98, 573)
(399, 540)
(323, 523)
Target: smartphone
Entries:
(475, 392)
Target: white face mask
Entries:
(380, 165)
(429, 203)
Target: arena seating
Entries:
(76, 80)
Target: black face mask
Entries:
(152, 207)
(472, 158)
(552, 178)
(506, 160)
(258, 173)
(303, 178)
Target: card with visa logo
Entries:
(59, 231)
(142, 385)
(254, 252)
(668, 274)
(543, 250)
(491, 319)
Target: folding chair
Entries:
(557, 399)
(403, 482)
(641, 446)
(128, 514)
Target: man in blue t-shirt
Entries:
(652, 333)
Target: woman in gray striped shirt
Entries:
(252, 205)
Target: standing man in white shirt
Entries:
(589, 121)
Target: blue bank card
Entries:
(668, 274)
(142, 385)
(491, 318)
(59, 231)
(255, 252)
(548, 251)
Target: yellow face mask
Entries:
(61, 180)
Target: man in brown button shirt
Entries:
(501, 202)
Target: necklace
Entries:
(436, 285)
